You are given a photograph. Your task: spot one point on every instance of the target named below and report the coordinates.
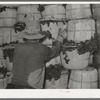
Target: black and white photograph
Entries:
(49, 46)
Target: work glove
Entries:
(47, 34)
(62, 34)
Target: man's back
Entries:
(28, 57)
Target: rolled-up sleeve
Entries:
(54, 51)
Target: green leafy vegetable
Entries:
(3, 71)
(54, 71)
(19, 26)
(82, 47)
(9, 53)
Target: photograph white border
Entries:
(49, 93)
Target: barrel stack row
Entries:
(96, 16)
(79, 46)
(53, 19)
(7, 37)
(8, 16)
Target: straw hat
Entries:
(32, 30)
(27, 35)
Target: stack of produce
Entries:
(15, 30)
(96, 16)
(56, 77)
(81, 42)
(53, 19)
(8, 37)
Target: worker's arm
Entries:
(56, 47)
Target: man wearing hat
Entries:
(30, 57)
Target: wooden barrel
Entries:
(99, 76)
(28, 8)
(53, 27)
(96, 11)
(24, 17)
(54, 11)
(8, 35)
(61, 83)
(3, 83)
(83, 79)
(72, 59)
(7, 22)
(98, 27)
(6, 80)
(78, 11)
(8, 17)
(81, 30)
(28, 12)
(8, 13)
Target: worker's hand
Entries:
(62, 34)
(47, 34)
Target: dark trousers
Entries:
(12, 86)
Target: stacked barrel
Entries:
(96, 16)
(7, 21)
(77, 50)
(53, 19)
(8, 37)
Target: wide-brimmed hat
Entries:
(27, 35)
(32, 30)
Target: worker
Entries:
(30, 58)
